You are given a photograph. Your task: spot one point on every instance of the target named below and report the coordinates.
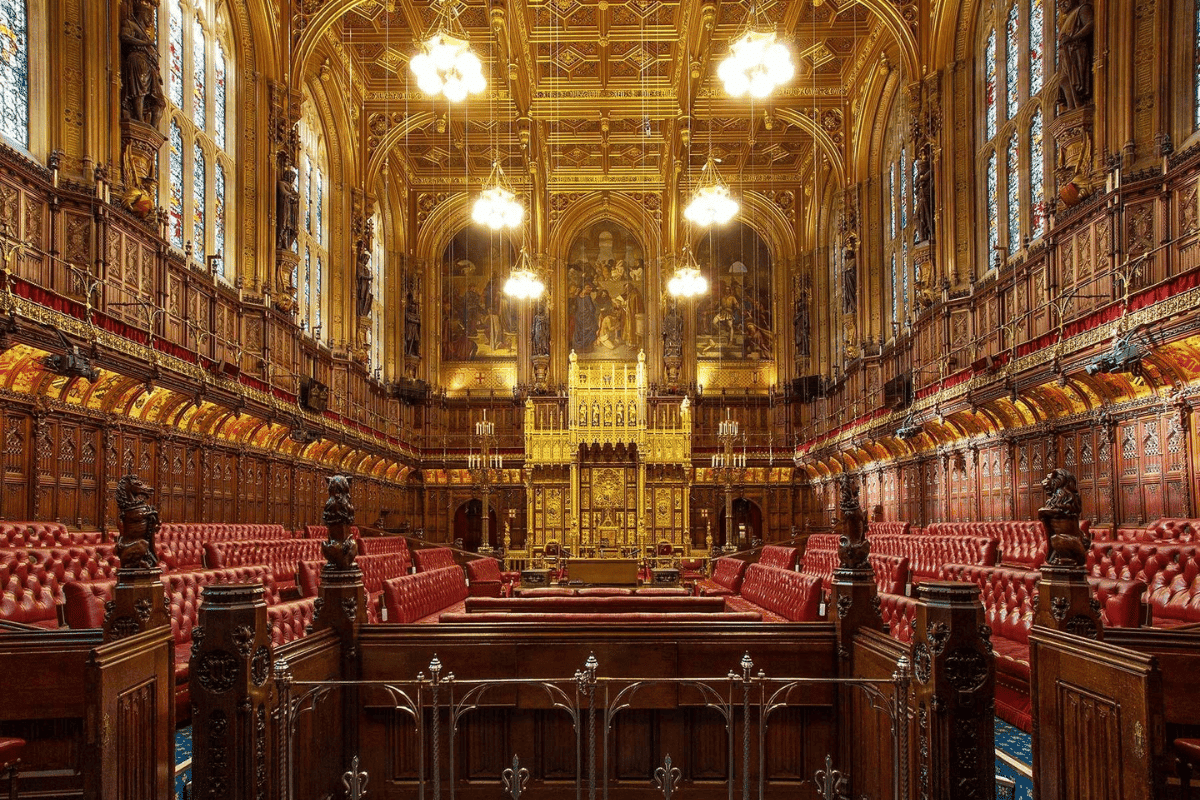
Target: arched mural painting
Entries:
(606, 291)
(733, 321)
(479, 322)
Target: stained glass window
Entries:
(1037, 29)
(199, 168)
(904, 277)
(308, 194)
(903, 188)
(989, 67)
(310, 186)
(175, 44)
(14, 71)
(175, 209)
(1013, 210)
(320, 232)
(219, 217)
(379, 288)
(320, 280)
(892, 195)
(895, 287)
(219, 98)
(993, 210)
(199, 75)
(1012, 74)
(308, 281)
(1037, 177)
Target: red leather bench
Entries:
(433, 558)
(180, 545)
(487, 580)
(888, 528)
(44, 535)
(726, 578)
(377, 545)
(927, 553)
(780, 595)
(1174, 590)
(899, 613)
(891, 573)
(423, 596)
(375, 569)
(282, 555)
(322, 532)
(1174, 529)
(595, 605)
(780, 556)
(32, 580)
(451, 617)
(821, 557)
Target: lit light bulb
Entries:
(756, 65)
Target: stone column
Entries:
(231, 694)
(954, 693)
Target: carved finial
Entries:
(138, 522)
(1060, 518)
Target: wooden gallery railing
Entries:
(563, 710)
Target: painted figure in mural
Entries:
(142, 98)
(287, 208)
(412, 327)
(479, 321)
(849, 281)
(607, 264)
(586, 320)
(539, 334)
(734, 319)
(1076, 27)
(922, 197)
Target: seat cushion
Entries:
(10, 751)
(1188, 750)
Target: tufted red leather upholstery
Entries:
(32, 580)
(281, 555)
(452, 617)
(774, 555)
(1172, 529)
(1174, 590)
(891, 573)
(1120, 601)
(1021, 543)
(888, 528)
(726, 578)
(433, 558)
(927, 553)
(584, 604)
(375, 569)
(414, 598)
(44, 535)
(290, 621)
(899, 613)
(821, 557)
(185, 540)
(374, 545)
(791, 595)
(545, 591)
(487, 580)
(321, 532)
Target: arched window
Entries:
(14, 72)
(898, 180)
(196, 52)
(313, 238)
(379, 290)
(1015, 105)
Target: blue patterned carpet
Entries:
(1014, 758)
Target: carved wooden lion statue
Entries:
(1060, 517)
(340, 549)
(138, 522)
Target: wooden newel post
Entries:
(855, 595)
(231, 686)
(341, 604)
(1064, 600)
(954, 674)
(138, 602)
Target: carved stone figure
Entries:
(287, 209)
(853, 545)
(412, 327)
(1076, 29)
(922, 198)
(800, 328)
(142, 98)
(849, 281)
(539, 334)
(340, 549)
(1060, 517)
(673, 332)
(138, 522)
(364, 278)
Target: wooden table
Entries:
(604, 571)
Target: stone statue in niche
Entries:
(1076, 29)
(673, 332)
(138, 522)
(142, 98)
(412, 327)
(287, 208)
(340, 548)
(800, 327)
(539, 334)
(849, 281)
(1060, 517)
(923, 197)
(364, 298)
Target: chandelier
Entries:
(687, 282)
(523, 282)
(711, 202)
(757, 62)
(446, 64)
(497, 205)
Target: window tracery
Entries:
(312, 237)
(898, 187)
(198, 160)
(14, 71)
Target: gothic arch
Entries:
(616, 206)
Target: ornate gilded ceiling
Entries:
(616, 92)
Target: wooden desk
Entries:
(604, 571)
